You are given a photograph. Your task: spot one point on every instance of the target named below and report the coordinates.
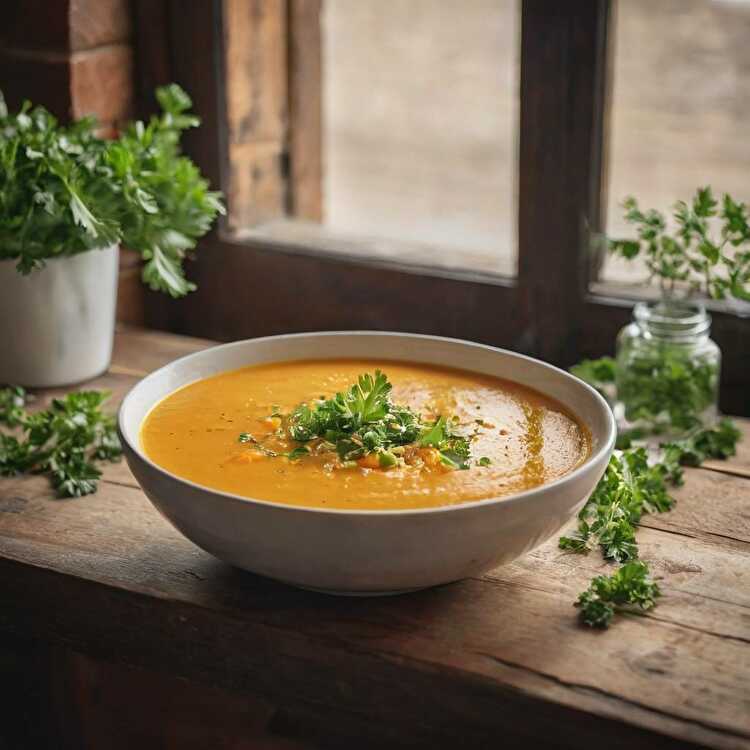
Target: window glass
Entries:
(420, 112)
(680, 106)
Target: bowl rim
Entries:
(517, 497)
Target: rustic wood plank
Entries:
(710, 505)
(139, 351)
(305, 109)
(495, 629)
(704, 586)
(165, 711)
(256, 96)
(28, 713)
(467, 662)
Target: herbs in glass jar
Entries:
(667, 367)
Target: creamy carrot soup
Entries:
(439, 436)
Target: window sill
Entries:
(299, 237)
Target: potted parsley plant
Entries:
(68, 198)
(667, 368)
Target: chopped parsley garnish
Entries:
(63, 441)
(363, 421)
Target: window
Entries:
(420, 113)
(405, 121)
(680, 94)
(314, 240)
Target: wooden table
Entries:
(496, 661)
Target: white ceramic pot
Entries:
(361, 551)
(57, 324)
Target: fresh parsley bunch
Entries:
(694, 254)
(64, 190)
(63, 441)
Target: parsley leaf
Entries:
(630, 487)
(630, 585)
(62, 441)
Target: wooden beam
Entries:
(563, 61)
(305, 108)
(256, 96)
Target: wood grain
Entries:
(305, 109)
(140, 351)
(255, 49)
(498, 657)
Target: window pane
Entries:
(420, 116)
(680, 107)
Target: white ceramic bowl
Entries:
(360, 551)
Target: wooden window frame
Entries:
(254, 283)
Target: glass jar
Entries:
(667, 370)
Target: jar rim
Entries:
(671, 319)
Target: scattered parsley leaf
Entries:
(62, 441)
(630, 487)
(629, 585)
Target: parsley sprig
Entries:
(630, 487)
(694, 255)
(64, 441)
(363, 420)
(631, 585)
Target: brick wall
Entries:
(76, 58)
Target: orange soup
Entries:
(459, 436)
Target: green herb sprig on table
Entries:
(363, 421)
(694, 255)
(64, 441)
(630, 585)
(630, 487)
(64, 190)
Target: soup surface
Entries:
(519, 438)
